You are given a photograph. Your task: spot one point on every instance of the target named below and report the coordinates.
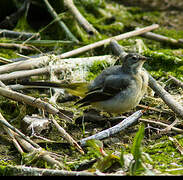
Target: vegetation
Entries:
(153, 146)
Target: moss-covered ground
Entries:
(110, 18)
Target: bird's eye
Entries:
(134, 58)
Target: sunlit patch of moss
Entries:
(96, 69)
(8, 53)
(164, 155)
(164, 61)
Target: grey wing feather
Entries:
(109, 87)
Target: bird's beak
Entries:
(143, 58)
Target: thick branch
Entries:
(59, 66)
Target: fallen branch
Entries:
(167, 98)
(10, 133)
(44, 60)
(39, 152)
(33, 171)
(105, 41)
(81, 20)
(161, 38)
(59, 66)
(16, 46)
(115, 129)
(20, 35)
(5, 123)
(61, 23)
(32, 102)
(177, 144)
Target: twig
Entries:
(45, 43)
(177, 144)
(115, 129)
(161, 38)
(44, 59)
(5, 123)
(5, 60)
(156, 109)
(161, 124)
(81, 20)
(176, 81)
(61, 23)
(25, 98)
(16, 46)
(32, 102)
(66, 136)
(19, 35)
(41, 152)
(11, 134)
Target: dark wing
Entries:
(112, 85)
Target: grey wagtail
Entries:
(117, 89)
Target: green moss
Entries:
(164, 155)
(164, 61)
(96, 69)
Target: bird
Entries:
(117, 89)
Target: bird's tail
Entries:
(77, 89)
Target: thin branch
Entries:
(16, 46)
(161, 38)
(19, 35)
(45, 155)
(61, 23)
(79, 17)
(161, 124)
(115, 129)
(19, 138)
(167, 98)
(66, 136)
(5, 123)
(105, 41)
(11, 134)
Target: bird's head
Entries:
(133, 62)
